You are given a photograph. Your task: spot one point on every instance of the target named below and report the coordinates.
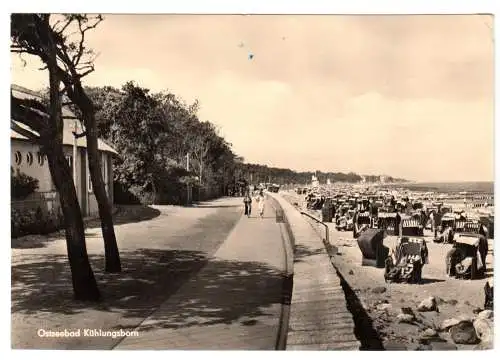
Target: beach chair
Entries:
(373, 251)
(411, 227)
(467, 258)
(407, 260)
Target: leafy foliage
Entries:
(154, 132)
(21, 185)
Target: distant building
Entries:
(315, 182)
(26, 156)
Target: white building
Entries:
(25, 156)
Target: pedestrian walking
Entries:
(261, 199)
(247, 200)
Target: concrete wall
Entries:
(38, 170)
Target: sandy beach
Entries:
(456, 298)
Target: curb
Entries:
(318, 299)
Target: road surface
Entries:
(211, 245)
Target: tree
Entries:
(31, 34)
(72, 62)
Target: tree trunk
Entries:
(112, 255)
(84, 283)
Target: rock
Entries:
(428, 333)
(465, 317)
(446, 324)
(379, 290)
(466, 302)
(452, 302)
(485, 314)
(405, 318)
(464, 333)
(484, 346)
(407, 310)
(439, 300)
(384, 307)
(428, 304)
(443, 346)
(351, 272)
(477, 310)
(423, 347)
(484, 329)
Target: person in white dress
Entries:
(261, 199)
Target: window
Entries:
(89, 185)
(69, 159)
(29, 158)
(18, 158)
(41, 158)
(104, 168)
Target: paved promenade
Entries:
(319, 319)
(233, 303)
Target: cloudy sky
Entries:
(409, 96)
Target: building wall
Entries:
(37, 169)
(107, 173)
(40, 170)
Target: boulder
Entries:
(423, 347)
(379, 290)
(464, 333)
(428, 333)
(405, 318)
(439, 300)
(484, 329)
(407, 310)
(428, 304)
(485, 314)
(384, 307)
(484, 345)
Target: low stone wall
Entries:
(319, 318)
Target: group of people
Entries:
(260, 199)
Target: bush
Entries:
(21, 185)
(29, 222)
(124, 196)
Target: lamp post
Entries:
(188, 187)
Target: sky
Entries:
(409, 96)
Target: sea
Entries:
(477, 187)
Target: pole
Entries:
(188, 187)
(75, 125)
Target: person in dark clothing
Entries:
(248, 203)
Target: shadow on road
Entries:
(125, 214)
(149, 277)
